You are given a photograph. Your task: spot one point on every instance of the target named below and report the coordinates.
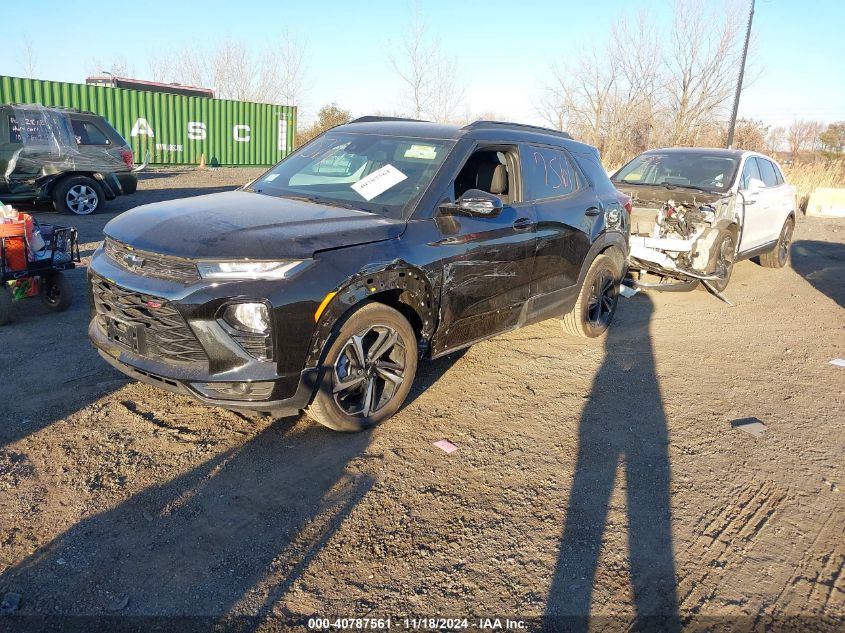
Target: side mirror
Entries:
(475, 202)
(755, 184)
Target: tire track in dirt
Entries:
(817, 583)
(724, 541)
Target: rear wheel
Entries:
(596, 304)
(368, 370)
(79, 195)
(56, 292)
(779, 255)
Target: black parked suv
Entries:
(76, 159)
(383, 241)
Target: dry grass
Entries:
(806, 176)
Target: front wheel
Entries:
(597, 299)
(779, 255)
(367, 371)
(723, 256)
(56, 292)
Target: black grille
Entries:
(145, 324)
(151, 264)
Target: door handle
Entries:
(750, 201)
(522, 224)
(592, 212)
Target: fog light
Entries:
(248, 317)
(235, 390)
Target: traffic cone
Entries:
(202, 164)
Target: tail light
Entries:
(626, 202)
(127, 157)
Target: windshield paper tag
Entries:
(378, 182)
(424, 152)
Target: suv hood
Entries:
(652, 194)
(240, 225)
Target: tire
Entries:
(79, 195)
(5, 304)
(778, 257)
(56, 292)
(724, 250)
(349, 409)
(597, 299)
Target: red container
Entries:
(13, 235)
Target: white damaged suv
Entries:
(696, 211)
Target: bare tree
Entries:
(775, 139)
(802, 136)
(609, 95)
(28, 58)
(432, 88)
(658, 89)
(273, 75)
(119, 67)
(287, 70)
(702, 64)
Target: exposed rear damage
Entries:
(682, 235)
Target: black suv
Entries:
(320, 284)
(76, 159)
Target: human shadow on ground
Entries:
(822, 264)
(623, 425)
(229, 537)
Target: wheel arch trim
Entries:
(398, 284)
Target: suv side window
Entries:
(748, 172)
(547, 173)
(767, 171)
(87, 133)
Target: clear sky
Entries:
(504, 48)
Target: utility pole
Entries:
(741, 75)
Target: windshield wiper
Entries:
(672, 185)
(326, 201)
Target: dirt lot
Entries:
(590, 478)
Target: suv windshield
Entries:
(680, 169)
(381, 174)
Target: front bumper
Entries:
(282, 384)
(286, 406)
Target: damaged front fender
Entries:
(398, 284)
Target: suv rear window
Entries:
(87, 133)
(547, 173)
(33, 128)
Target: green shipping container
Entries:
(173, 129)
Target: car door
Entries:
(753, 191)
(566, 207)
(778, 198)
(486, 261)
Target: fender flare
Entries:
(402, 282)
(605, 241)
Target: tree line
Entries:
(643, 86)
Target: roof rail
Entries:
(62, 108)
(372, 119)
(536, 128)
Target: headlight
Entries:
(248, 270)
(248, 317)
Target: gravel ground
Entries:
(589, 478)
